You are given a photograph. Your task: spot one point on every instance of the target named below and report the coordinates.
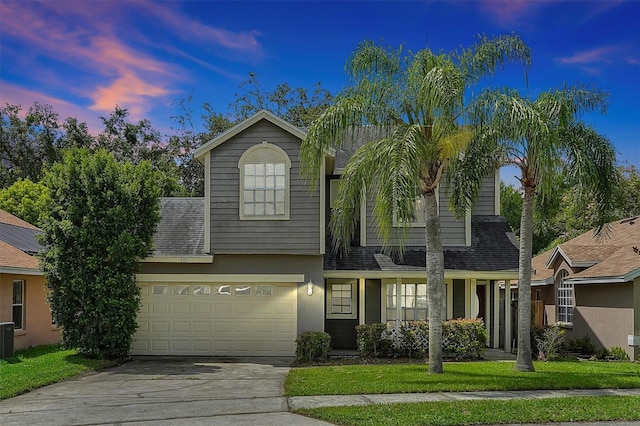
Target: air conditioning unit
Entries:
(6, 340)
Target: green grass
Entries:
(457, 377)
(42, 365)
(605, 408)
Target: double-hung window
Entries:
(264, 183)
(18, 304)
(409, 305)
(565, 298)
(341, 299)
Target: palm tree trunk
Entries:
(523, 359)
(435, 282)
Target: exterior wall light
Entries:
(310, 287)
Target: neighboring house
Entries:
(592, 287)
(22, 285)
(247, 268)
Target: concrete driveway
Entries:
(206, 391)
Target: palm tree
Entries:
(542, 137)
(412, 105)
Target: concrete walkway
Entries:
(298, 402)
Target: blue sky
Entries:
(84, 57)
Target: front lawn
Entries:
(457, 377)
(605, 408)
(42, 365)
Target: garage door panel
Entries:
(201, 308)
(181, 326)
(202, 327)
(222, 308)
(207, 319)
(181, 308)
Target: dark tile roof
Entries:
(493, 248)
(354, 140)
(181, 227)
(21, 238)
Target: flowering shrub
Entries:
(413, 339)
(463, 339)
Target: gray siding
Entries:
(485, 203)
(453, 230)
(298, 235)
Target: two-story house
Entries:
(247, 268)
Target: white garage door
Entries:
(217, 319)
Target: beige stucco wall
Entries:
(37, 329)
(605, 313)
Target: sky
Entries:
(85, 57)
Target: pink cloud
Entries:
(600, 54)
(129, 77)
(189, 29)
(506, 12)
(128, 91)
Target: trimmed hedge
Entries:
(462, 339)
(313, 346)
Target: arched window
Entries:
(264, 183)
(565, 298)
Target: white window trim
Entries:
(287, 183)
(354, 307)
(399, 283)
(23, 319)
(560, 280)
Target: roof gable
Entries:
(609, 258)
(240, 127)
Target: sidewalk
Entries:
(298, 402)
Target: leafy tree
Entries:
(186, 140)
(415, 102)
(136, 142)
(542, 138)
(294, 105)
(100, 223)
(511, 206)
(26, 200)
(29, 145)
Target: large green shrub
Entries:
(100, 222)
(313, 346)
(464, 339)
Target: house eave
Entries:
(262, 114)
(615, 279)
(448, 274)
(574, 264)
(179, 259)
(20, 271)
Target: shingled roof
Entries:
(181, 228)
(493, 248)
(595, 259)
(18, 243)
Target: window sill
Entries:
(20, 332)
(565, 325)
(264, 218)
